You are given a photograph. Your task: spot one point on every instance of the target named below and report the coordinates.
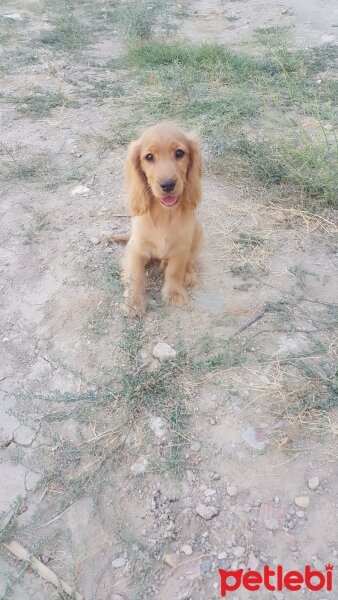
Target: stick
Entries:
(254, 319)
(45, 572)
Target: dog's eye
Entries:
(150, 157)
(179, 153)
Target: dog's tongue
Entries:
(169, 200)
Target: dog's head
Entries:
(163, 166)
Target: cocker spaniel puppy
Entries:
(163, 177)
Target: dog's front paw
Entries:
(175, 297)
(134, 306)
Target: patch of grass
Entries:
(44, 170)
(105, 89)
(272, 36)
(209, 59)
(139, 19)
(217, 90)
(249, 239)
(311, 166)
(67, 35)
(40, 103)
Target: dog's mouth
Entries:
(169, 200)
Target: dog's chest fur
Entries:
(165, 237)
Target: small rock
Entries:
(278, 595)
(209, 492)
(13, 17)
(313, 483)
(158, 426)
(300, 514)
(172, 560)
(253, 562)
(302, 501)
(79, 190)
(232, 490)
(186, 549)
(285, 11)
(195, 447)
(24, 436)
(191, 477)
(163, 351)
(328, 38)
(238, 551)
(140, 466)
(205, 566)
(119, 562)
(216, 477)
(44, 558)
(222, 555)
(207, 512)
(253, 438)
(94, 240)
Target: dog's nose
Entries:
(168, 185)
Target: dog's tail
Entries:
(115, 237)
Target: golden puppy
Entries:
(163, 177)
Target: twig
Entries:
(45, 572)
(55, 518)
(253, 320)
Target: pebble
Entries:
(79, 190)
(94, 240)
(302, 501)
(278, 595)
(238, 551)
(209, 492)
(195, 447)
(186, 549)
(253, 438)
(207, 512)
(172, 560)
(13, 17)
(158, 426)
(313, 483)
(328, 38)
(163, 351)
(140, 466)
(191, 477)
(300, 514)
(232, 490)
(222, 555)
(119, 562)
(205, 566)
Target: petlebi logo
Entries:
(276, 580)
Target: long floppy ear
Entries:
(138, 193)
(193, 187)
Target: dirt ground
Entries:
(106, 496)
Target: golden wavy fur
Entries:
(163, 177)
